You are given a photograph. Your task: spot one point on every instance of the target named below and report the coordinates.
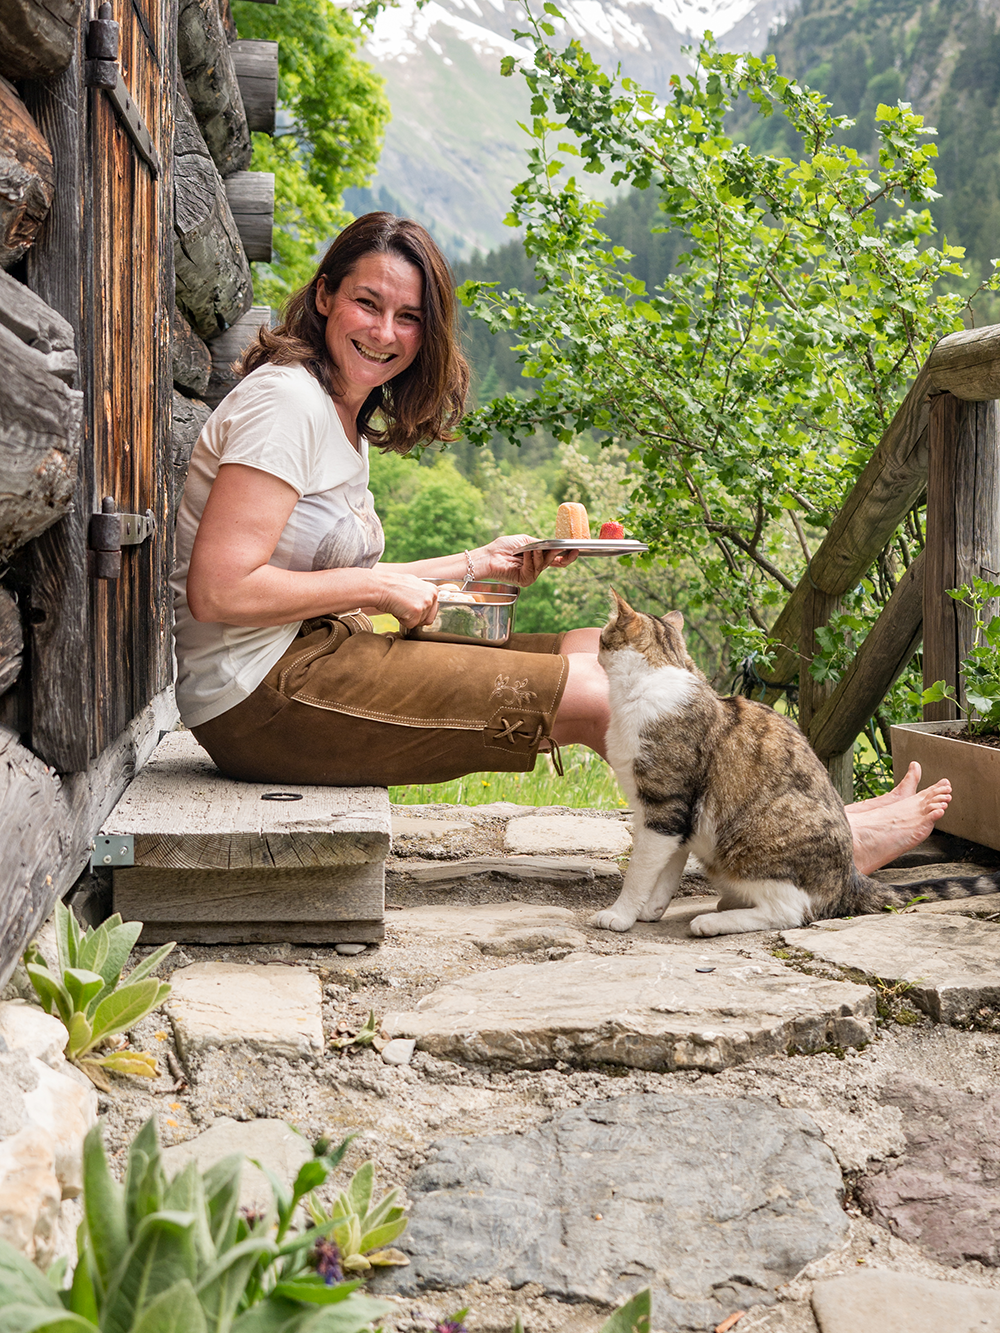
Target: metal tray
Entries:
(588, 545)
(488, 621)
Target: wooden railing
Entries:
(945, 441)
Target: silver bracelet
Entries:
(471, 576)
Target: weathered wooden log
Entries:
(877, 665)
(228, 347)
(27, 316)
(214, 287)
(47, 823)
(188, 418)
(190, 358)
(41, 417)
(889, 487)
(27, 177)
(205, 61)
(967, 364)
(963, 532)
(11, 641)
(36, 39)
(256, 65)
(251, 198)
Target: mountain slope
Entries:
(453, 149)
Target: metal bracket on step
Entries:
(101, 71)
(109, 531)
(112, 850)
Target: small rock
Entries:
(531, 941)
(398, 1051)
(26, 1027)
(875, 1301)
(29, 1193)
(270, 1142)
(951, 964)
(648, 1011)
(270, 1008)
(349, 950)
(497, 929)
(580, 834)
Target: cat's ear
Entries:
(675, 619)
(620, 609)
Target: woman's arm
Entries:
(230, 582)
(503, 559)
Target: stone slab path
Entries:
(713, 1204)
(271, 1008)
(269, 1141)
(950, 964)
(675, 1009)
(880, 1302)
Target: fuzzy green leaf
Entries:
(50, 990)
(103, 1209)
(176, 1310)
(379, 1236)
(162, 1254)
(359, 1192)
(81, 986)
(143, 969)
(632, 1317)
(21, 1283)
(222, 1285)
(125, 1006)
(30, 1319)
(145, 1180)
(80, 1037)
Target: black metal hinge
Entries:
(101, 71)
(109, 531)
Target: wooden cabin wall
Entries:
(88, 234)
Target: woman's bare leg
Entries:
(883, 828)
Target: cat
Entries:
(736, 784)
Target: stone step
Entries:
(219, 861)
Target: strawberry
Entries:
(611, 532)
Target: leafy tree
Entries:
(753, 382)
(426, 511)
(332, 116)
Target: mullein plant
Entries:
(181, 1257)
(83, 991)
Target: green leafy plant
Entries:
(179, 1257)
(359, 1226)
(752, 384)
(980, 668)
(365, 1035)
(84, 991)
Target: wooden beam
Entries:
(967, 364)
(251, 199)
(228, 347)
(27, 177)
(214, 287)
(876, 667)
(47, 823)
(205, 61)
(256, 65)
(36, 39)
(963, 532)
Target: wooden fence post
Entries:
(963, 531)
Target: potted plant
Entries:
(965, 749)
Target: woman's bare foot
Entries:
(908, 787)
(887, 826)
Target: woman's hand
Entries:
(413, 601)
(506, 559)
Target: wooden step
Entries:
(216, 862)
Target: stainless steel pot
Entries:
(489, 620)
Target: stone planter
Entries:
(974, 771)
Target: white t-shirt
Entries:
(280, 420)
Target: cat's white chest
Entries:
(640, 697)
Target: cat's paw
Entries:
(708, 924)
(610, 920)
(652, 912)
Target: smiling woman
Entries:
(280, 676)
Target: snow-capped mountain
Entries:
(453, 149)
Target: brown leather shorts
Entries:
(345, 707)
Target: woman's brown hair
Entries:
(427, 399)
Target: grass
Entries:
(589, 783)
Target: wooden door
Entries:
(100, 648)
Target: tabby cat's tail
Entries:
(870, 895)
